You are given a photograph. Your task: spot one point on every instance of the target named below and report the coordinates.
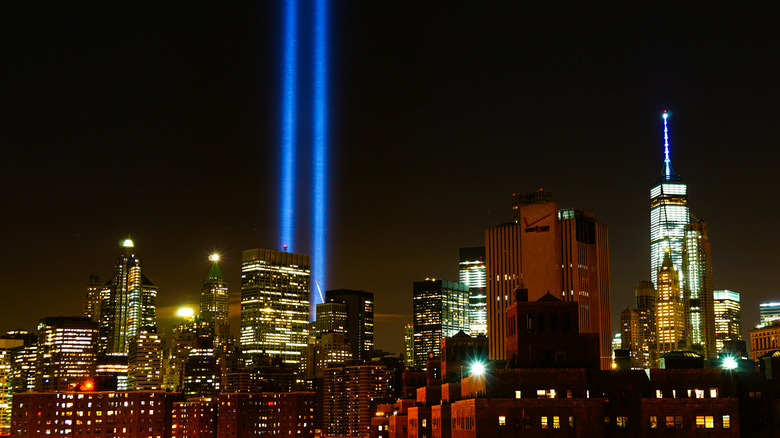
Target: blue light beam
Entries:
(320, 150)
(289, 114)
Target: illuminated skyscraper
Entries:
(698, 290)
(7, 346)
(440, 310)
(128, 302)
(472, 274)
(144, 361)
(668, 215)
(728, 318)
(275, 303)
(360, 319)
(670, 319)
(66, 352)
(768, 313)
(563, 251)
(215, 302)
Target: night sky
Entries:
(162, 122)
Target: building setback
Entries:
(360, 319)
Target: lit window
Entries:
(727, 421)
(699, 393)
(556, 422)
(659, 393)
(571, 422)
(713, 393)
(518, 394)
(544, 422)
(502, 420)
(621, 422)
(653, 422)
(670, 422)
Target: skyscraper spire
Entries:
(667, 162)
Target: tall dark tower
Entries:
(128, 302)
(215, 301)
(360, 319)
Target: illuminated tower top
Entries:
(668, 174)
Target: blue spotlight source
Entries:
(320, 150)
(289, 91)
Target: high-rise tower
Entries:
(275, 303)
(128, 302)
(215, 301)
(668, 214)
(471, 272)
(440, 310)
(670, 319)
(563, 251)
(698, 289)
(728, 318)
(360, 319)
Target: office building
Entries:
(275, 303)
(7, 347)
(698, 290)
(547, 249)
(645, 307)
(128, 302)
(360, 319)
(92, 301)
(24, 360)
(201, 372)
(764, 340)
(126, 414)
(215, 302)
(266, 414)
(194, 419)
(471, 272)
(631, 337)
(66, 352)
(144, 361)
(409, 345)
(190, 333)
(668, 215)
(351, 394)
(768, 313)
(332, 317)
(728, 318)
(440, 309)
(670, 319)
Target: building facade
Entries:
(360, 319)
(547, 249)
(351, 395)
(471, 272)
(66, 352)
(768, 313)
(275, 303)
(728, 318)
(440, 309)
(698, 299)
(215, 302)
(670, 315)
(144, 361)
(128, 302)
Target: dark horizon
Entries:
(162, 123)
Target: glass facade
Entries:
(698, 289)
(440, 310)
(275, 303)
(768, 312)
(670, 321)
(472, 271)
(728, 320)
(668, 217)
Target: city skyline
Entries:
(139, 129)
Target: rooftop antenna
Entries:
(667, 161)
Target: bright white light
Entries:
(666, 115)
(478, 368)
(127, 243)
(214, 257)
(185, 312)
(729, 363)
